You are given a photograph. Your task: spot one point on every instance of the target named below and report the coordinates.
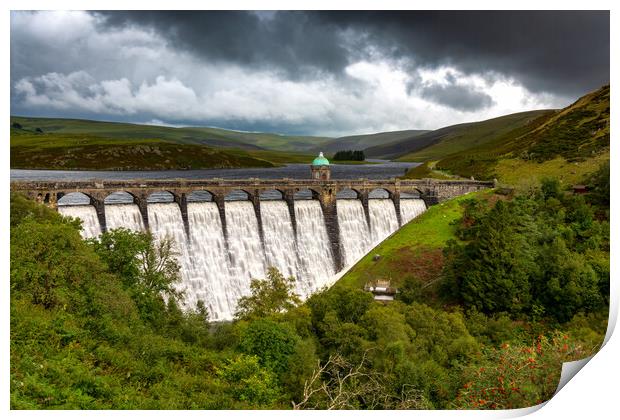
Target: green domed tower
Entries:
(320, 168)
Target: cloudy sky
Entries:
(319, 73)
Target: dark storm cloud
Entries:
(560, 52)
(295, 42)
(458, 97)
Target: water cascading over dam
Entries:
(88, 215)
(217, 264)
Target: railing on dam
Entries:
(430, 190)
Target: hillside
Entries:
(90, 152)
(215, 137)
(364, 141)
(566, 144)
(452, 139)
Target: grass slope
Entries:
(545, 147)
(364, 141)
(415, 249)
(89, 152)
(215, 137)
(461, 137)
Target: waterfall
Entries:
(411, 208)
(216, 266)
(280, 247)
(88, 215)
(123, 215)
(316, 264)
(354, 236)
(383, 219)
(165, 221)
(244, 246)
(210, 279)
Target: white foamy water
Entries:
(316, 264)
(218, 268)
(383, 221)
(280, 245)
(209, 278)
(165, 222)
(123, 215)
(411, 208)
(354, 234)
(88, 215)
(244, 246)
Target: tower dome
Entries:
(320, 168)
(320, 160)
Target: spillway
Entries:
(165, 222)
(123, 215)
(247, 258)
(383, 221)
(355, 239)
(316, 264)
(280, 244)
(411, 208)
(209, 278)
(217, 265)
(88, 216)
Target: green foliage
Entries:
(148, 268)
(99, 324)
(49, 262)
(425, 170)
(271, 342)
(22, 208)
(349, 155)
(598, 183)
(497, 268)
(518, 376)
(249, 382)
(271, 296)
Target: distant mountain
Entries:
(215, 137)
(454, 138)
(364, 141)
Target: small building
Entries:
(381, 290)
(580, 189)
(320, 168)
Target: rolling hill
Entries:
(451, 139)
(365, 141)
(214, 137)
(566, 144)
(35, 150)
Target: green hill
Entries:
(567, 144)
(364, 141)
(452, 139)
(31, 150)
(214, 137)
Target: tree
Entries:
(271, 342)
(349, 155)
(271, 296)
(248, 381)
(143, 263)
(491, 272)
(341, 385)
(598, 183)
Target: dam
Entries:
(227, 232)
